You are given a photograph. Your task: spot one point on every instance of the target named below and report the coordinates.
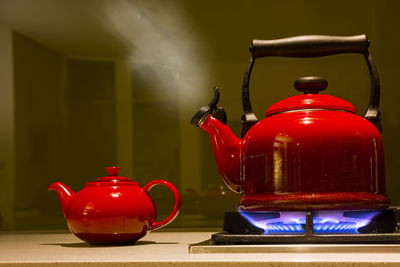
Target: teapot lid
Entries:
(113, 176)
(310, 86)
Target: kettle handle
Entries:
(177, 206)
(312, 46)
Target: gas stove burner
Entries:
(310, 227)
(347, 222)
(283, 228)
(273, 222)
(324, 222)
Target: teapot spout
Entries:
(64, 193)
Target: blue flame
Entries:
(281, 227)
(325, 222)
(278, 222)
(341, 227)
(334, 222)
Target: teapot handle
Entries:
(154, 225)
(312, 46)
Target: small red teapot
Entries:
(311, 151)
(112, 209)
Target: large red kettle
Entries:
(311, 151)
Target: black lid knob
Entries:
(310, 84)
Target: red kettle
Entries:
(311, 151)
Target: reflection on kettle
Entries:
(214, 198)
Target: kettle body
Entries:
(313, 160)
(311, 151)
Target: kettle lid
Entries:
(310, 86)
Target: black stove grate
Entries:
(382, 229)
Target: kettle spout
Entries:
(64, 193)
(227, 150)
(227, 147)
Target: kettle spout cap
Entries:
(64, 193)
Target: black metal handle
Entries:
(311, 46)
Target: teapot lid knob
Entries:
(113, 176)
(112, 171)
(310, 84)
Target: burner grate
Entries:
(239, 230)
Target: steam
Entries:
(162, 50)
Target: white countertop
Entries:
(171, 249)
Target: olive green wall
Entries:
(76, 114)
(64, 128)
(39, 133)
(7, 122)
